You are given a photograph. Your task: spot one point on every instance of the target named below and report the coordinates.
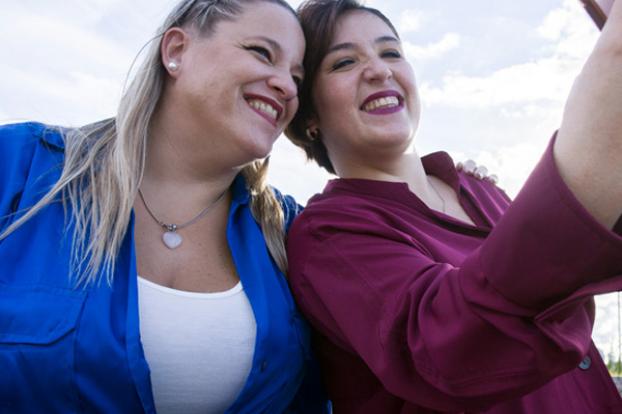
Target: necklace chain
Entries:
(438, 194)
(174, 227)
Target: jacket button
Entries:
(263, 366)
(586, 363)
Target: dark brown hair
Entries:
(319, 20)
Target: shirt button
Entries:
(586, 363)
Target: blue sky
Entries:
(493, 77)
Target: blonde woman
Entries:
(143, 259)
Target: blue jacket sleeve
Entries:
(290, 207)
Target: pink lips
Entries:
(271, 102)
(384, 110)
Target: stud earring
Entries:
(311, 134)
(172, 65)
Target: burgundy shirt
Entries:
(418, 312)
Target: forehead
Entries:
(360, 26)
(267, 20)
(264, 17)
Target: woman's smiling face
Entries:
(239, 83)
(364, 93)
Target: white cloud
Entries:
(72, 99)
(544, 80)
(512, 164)
(411, 21)
(70, 70)
(554, 24)
(448, 42)
(571, 30)
(65, 45)
(569, 35)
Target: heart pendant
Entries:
(171, 239)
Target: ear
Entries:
(313, 123)
(174, 43)
(312, 130)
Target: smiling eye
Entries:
(391, 54)
(342, 63)
(261, 51)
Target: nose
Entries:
(377, 70)
(284, 84)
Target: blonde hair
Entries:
(104, 162)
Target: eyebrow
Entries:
(349, 45)
(276, 46)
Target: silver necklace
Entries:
(171, 238)
(438, 194)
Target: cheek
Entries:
(414, 101)
(408, 82)
(292, 108)
(411, 83)
(415, 104)
(195, 86)
(333, 101)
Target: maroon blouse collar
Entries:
(438, 164)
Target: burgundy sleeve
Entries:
(547, 245)
(444, 336)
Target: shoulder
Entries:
(476, 177)
(290, 207)
(18, 135)
(485, 192)
(15, 139)
(333, 213)
(26, 150)
(18, 143)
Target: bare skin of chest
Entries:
(202, 263)
(452, 206)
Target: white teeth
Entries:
(386, 102)
(264, 107)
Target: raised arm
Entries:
(588, 150)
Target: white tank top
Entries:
(199, 346)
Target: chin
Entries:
(257, 149)
(394, 136)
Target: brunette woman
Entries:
(428, 290)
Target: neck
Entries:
(407, 168)
(183, 163)
(181, 152)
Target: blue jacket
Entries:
(65, 349)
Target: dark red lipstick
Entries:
(386, 109)
(269, 101)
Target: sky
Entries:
(493, 78)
